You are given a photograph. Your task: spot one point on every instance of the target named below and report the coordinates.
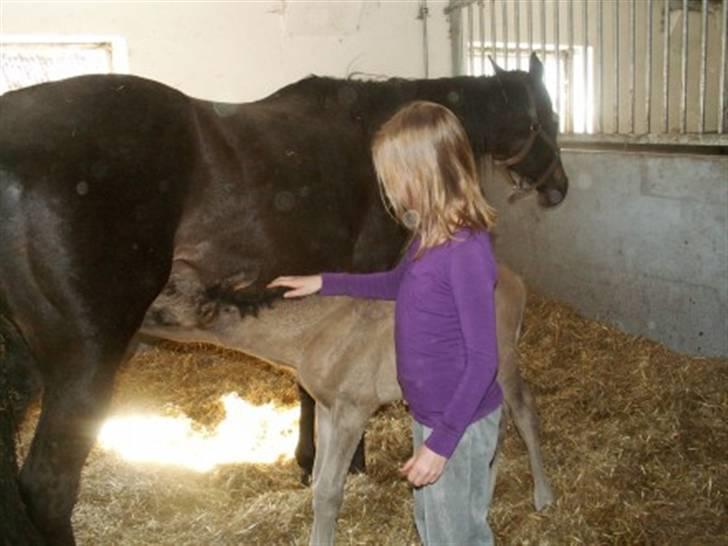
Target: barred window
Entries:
(648, 71)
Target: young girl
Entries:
(445, 333)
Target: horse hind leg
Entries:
(510, 297)
(495, 463)
(522, 408)
(74, 402)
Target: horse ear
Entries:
(535, 68)
(498, 69)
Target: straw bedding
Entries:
(635, 441)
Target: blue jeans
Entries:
(453, 511)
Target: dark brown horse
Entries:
(110, 186)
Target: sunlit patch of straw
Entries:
(248, 434)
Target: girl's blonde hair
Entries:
(426, 170)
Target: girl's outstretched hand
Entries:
(424, 467)
(303, 285)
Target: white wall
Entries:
(241, 51)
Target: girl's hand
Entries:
(424, 467)
(304, 285)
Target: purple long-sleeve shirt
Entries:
(445, 334)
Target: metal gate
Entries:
(618, 71)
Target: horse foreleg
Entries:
(74, 402)
(338, 432)
(522, 408)
(306, 447)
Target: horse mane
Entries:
(479, 101)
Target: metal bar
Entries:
(424, 14)
(493, 35)
(505, 33)
(648, 72)
(570, 74)
(600, 35)
(529, 23)
(666, 66)
(456, 34)
(456, 5)
(684, 70)
(481, 17)
(471, 60)
(585, 53)
(632, 62)
(517, 24)
(722, 110)
(543, 30)
(616, 67)
(703, 58)
(558, 59)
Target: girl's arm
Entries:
(382, 285)
(472, 277)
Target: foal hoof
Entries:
(306, 479)
(543, 498)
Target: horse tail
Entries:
(20, 382)
(17, 364)
(16, 381)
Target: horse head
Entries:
(523, 138)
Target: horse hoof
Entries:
(543, 498)
(305, 479)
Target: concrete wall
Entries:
(641, 242)
(245, 50)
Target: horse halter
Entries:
(521, 187)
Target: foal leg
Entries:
(522, 407)
(338, 431)
(306, 447)
(498, 449)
